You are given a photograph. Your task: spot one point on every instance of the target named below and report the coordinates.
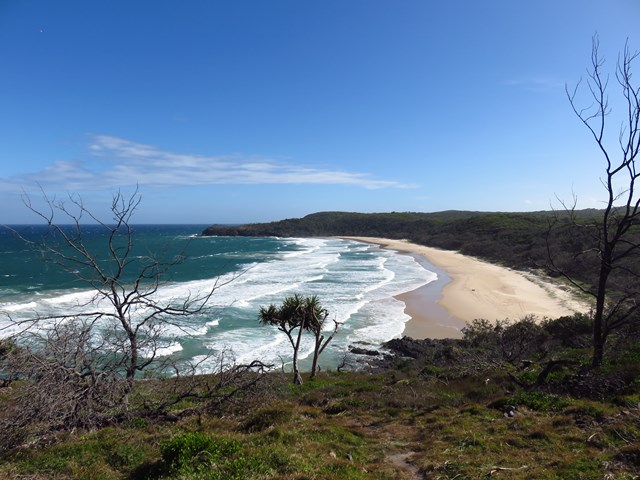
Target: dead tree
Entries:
(78, 367)
(69, 382)
(612, 251)
(125, 307)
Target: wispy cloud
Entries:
(536, 84)
(115, 162)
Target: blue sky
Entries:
(258, 110)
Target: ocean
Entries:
(355, 282)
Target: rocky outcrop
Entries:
(409, 347)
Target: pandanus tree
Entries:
(287, 318)
(296, 315)
(316, 321)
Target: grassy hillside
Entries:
(355, 426)
(464, 409)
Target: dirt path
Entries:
(401, 460)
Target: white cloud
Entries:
(537, 84)
(115, 162)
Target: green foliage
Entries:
(541, 401)
(7, 346)
(570, 331)
(506, 340)
(304, 314)
(204, 456)
(581, 469)
(591, 411)
(284, 436)
(103, 455)
(441, 413)
(343, 406)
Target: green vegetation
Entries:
(305, 314)
(550, 399)
(464, 409)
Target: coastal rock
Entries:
(409, 347)
(363, 351)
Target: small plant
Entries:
(191, 450)
(265, 419)
(540, 401)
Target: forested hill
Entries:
(518, 240)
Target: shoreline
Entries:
(468, 288)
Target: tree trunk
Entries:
(598, 352)
(599, 336)
(316, 354)
(297, 378)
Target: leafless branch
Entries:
(614, 254)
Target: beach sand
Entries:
(468, 289)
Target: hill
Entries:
(517, 240)
(487, 405)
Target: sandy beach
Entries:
(474, 289)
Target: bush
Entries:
(522, 339)
(506, 340)
(572, 331)
(480, 333)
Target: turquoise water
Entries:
(356, 282)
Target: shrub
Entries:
(522, 339)
(266, 418)
(572, 331)
(506, 340)
(480, 333)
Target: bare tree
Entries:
(79, 366)
(613, 248)
(70, 382)
(226, 382)
(125, 305)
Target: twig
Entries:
(507, 469)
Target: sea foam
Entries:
(355, 282)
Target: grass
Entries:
(356, 426)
